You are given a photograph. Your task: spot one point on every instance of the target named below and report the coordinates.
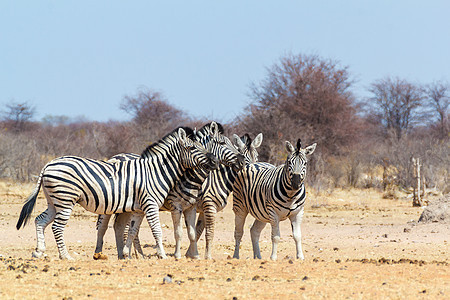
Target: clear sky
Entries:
(80, 58)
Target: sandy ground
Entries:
(356, 245)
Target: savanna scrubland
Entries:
(361, 234)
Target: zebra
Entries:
(108, 188)
(180, 199)
(272, 194)
(212, 199)
(217, 188)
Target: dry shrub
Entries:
(19, 158)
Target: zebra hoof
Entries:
(38, 254)
(100, 256)
(66, 257)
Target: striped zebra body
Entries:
(217, 188)
(271, 194)
(183, 195)
(108, 188)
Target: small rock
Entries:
(228, 279)
(167, 279)
(406, 229)
(256, 277)
(305, 278)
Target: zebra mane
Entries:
(189, 133)
(247, 140)
(299, 144)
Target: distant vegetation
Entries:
(361, 142)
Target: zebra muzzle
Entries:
(240, 163)
(295, 181)
(213, 162)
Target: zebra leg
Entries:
(152, 215)
(177, 231)
(199, 226)
(255, 233)
(102, 226)
(41, 223)
(210, 218)
(137, 246)
(119, 228)
(296, 221)
(189, 217)
(61, 218)
(136, 220)
(133, 233)
(275, 222)
(239, 221)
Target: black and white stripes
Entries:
(271, 194)
(107, 188)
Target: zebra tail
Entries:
(28, 207)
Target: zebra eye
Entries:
(222, 143)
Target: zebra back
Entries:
(105, 188)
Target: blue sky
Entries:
(80, 58)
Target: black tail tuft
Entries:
(27, 209)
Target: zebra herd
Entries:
(186, 172)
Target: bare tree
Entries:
(153, 115)
(302, 96)
(397, 103)
(438, 95)
(18, 115)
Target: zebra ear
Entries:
(310, 149)
(289, 147)
(238, 142)
(182, 136)
(257, 141)
(214, 128)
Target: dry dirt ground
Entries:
(356, 245)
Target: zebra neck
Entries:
(285, 183)
(194, 178)
(167, 146)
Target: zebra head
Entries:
(297, 161)
(247, 147)
(194, 154)
(211, 136)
